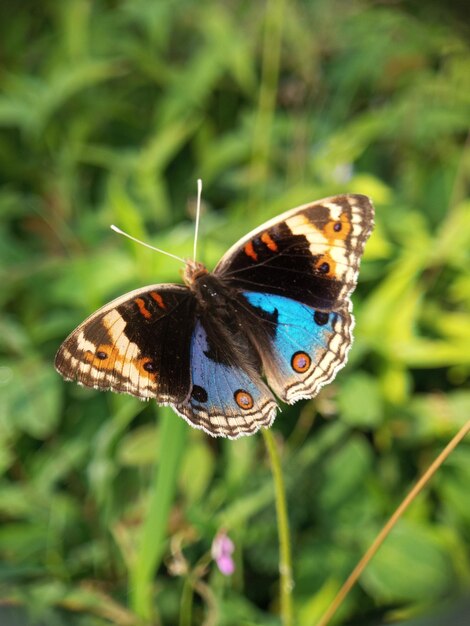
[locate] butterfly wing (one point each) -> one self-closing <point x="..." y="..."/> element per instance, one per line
<point x="310" y="254"/>
<point x="294" y="276"/>
<point x="137" y="344"/>
<point x="301" y="348"/>
<point x="286" y="310"/>
<point x="228" y="397"/>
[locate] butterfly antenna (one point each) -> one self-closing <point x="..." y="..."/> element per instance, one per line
<point x="121" y="232"/>
<point x="198" y="215"/>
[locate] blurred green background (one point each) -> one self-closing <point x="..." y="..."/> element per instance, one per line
<point x="109" y="112"/>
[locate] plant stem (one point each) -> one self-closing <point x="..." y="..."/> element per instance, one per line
<point x="285" y="558"/>
<point x="186" y="602"/>
<point x="383" y="534"/>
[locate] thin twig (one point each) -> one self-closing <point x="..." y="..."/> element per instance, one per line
<point x="360" y="567"/>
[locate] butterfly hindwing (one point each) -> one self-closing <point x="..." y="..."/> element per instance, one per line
<point x="137" y="344"/>
<point x="301" y="348"/>
<point x="225" y="399"/>
<point x="310" y="254"/>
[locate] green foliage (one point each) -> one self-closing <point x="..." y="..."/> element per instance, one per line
<point x="109" y="111"/>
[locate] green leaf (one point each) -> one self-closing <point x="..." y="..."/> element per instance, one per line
<point x="360" y="402"/>
<point x="411" y="565"/>
<point x="31" y="391"/>
<point x="197" y="470"/>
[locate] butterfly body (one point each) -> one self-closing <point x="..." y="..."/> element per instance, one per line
<point x="274" y="316"/>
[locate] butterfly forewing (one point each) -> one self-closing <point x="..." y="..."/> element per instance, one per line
<point x="310" y="254"/>
<point x="137" y="344"/>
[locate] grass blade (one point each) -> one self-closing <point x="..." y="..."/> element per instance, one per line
<point x="153" y="533"/>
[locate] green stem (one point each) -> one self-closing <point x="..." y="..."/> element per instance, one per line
<point x="153" y="534"/>
<point x="186" y="602"/>
<point x="272" y="39"/>
<point x="285" y="558"/>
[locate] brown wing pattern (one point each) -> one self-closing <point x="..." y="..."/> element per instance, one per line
<point x="138" y="344"/>
<point x="310" y="254"/>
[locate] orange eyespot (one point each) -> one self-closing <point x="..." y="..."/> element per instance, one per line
<point x="326" y="265"/>
<point x="338" y="228"/>
<point x="243" y="399"/>
<point x="300" y="362"/>
<point x="146" y="367"/>
<point x="103" y="358"/>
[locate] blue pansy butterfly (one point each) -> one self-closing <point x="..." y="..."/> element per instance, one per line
<point x="274" y="317"/>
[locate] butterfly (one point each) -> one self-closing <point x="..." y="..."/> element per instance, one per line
<point x="274" y="318"/>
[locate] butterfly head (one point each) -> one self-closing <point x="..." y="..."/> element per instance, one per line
<point x="193" y="271"/>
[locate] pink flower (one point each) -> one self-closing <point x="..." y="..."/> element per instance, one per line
<point x="222" y="550"/>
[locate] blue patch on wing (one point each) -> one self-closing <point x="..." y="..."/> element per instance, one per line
<point x="219" y="381"/>
<point x="306" y="347"/>
<point x="224" y="400"/>
<point x="296" y="326"/>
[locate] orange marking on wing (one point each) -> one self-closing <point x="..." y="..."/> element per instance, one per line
<point x="266" y="239"/>
<point x="144" y="311"/>
<point x="300" y="362"/>
<point x="140" y="365"/>
<point x="250" y="251"/>
<point x="105" y="357"/>
<point x="338" y="229"/>
<point x="158" y="299"/>
<point x="322" y="262"/>
<point x="244" y="399"/>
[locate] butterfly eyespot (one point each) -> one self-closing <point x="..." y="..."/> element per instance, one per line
<point x="337" y="227"/>
<point x="149" y="366"/>
<point x="324" y="268"/>
<point x="243" y="399"/>
<point x="101" y="355"/>
<point x="199" y="393"/>
<point x="321" y="318"/>
<point x="300" y="362"/>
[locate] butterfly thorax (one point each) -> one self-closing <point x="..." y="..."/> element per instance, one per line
<point x="209" y="290"/>
<point x="217" y="310"/>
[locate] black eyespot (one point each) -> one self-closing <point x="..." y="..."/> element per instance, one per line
<point x="149" y="366"/>
<point x="321" y="318"/>
<point x="324" y="268"/>
<point x="199" y="393"/>
<point x="101" y="355"/>
<point x="337" y="227"/>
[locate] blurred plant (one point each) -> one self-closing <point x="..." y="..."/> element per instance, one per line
<point x="108" y="113"/>
<point x="222" y="550"/>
